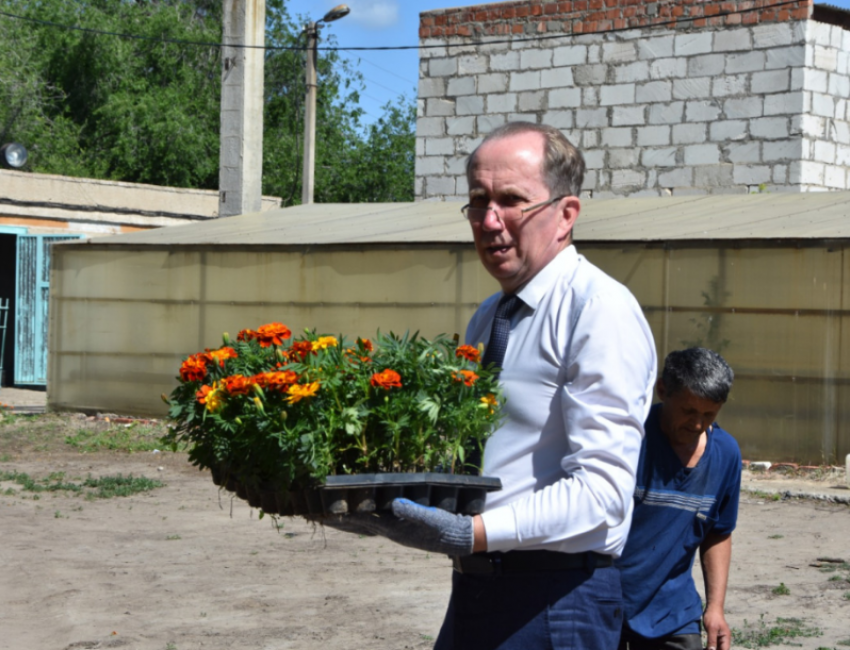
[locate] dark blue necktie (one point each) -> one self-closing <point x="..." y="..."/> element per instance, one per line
<point x="495" y="355"/>
<point x="501" y="329"/>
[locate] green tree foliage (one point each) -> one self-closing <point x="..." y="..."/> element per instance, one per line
<point x="147" y="111"/>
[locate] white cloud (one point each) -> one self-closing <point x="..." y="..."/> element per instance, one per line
<point x="374" y="14"/>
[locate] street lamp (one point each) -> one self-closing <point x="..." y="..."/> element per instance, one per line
<point x="13" y="155"/>
<point x="312" y="31"/>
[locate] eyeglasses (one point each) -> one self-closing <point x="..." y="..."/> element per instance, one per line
<point x="478" y="215"/>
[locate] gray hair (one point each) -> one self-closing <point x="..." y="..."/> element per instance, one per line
<point x="563" y="166"/>
<point x="703" y="372"/>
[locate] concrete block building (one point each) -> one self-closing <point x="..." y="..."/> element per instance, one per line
<point x="670" y="97"/>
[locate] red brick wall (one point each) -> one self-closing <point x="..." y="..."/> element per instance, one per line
<point x="590" y="16"/>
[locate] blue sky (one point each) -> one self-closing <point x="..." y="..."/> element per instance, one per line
<point x="377" y="23"/>
<point x="385" y="23"/>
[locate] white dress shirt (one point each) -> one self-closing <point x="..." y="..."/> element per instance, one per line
<point x="578" y="377"/>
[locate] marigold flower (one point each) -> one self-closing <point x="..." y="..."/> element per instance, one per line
<point x="272" y="334"/>
<point x="466" y="376"/>
<point x="302" y="348"/>
<point x="246" y="335"/>
<point x="297" y="392"/>
<point x="279" y="380"/>
<point x="237" y="385"/>
<point x="386" y="379"/>
<point x="366" y="344"/>
<point x="324" y="342"/>
<point x="211" y="397"/>
<point x="490" y="402"/>
<point x="218" y="356"/>
<point x="194" y="368"/>
<point x="468" y="352"/>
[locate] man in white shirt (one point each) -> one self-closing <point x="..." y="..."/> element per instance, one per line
<point x="535" y="570"/>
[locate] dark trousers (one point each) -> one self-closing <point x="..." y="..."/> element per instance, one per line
<point x="631" y="641"/>
<point x="575" y="609"/>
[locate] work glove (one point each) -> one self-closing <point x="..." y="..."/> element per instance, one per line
<point x="421" y="527"/>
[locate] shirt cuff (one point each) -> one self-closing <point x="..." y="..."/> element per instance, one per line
<point x="501" y="529"/>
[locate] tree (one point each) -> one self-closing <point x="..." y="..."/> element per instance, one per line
<point x="147" y="111"/>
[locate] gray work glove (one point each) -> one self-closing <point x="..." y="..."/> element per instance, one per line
<point x="423" y="527"/>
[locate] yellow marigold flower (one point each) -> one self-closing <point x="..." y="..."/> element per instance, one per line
<point x="489" y="401"/>
<point x="212" y="397"/>
<point x="297" y="392"/>
<point x="324" y="342"/>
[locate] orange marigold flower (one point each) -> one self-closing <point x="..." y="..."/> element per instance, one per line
<point x="297" y="392"/>
<point x="324" y="342"/>
<point x="194" y="368"/>
<point x="272" y="334"/>
<point x="221" y="354"/>
<point x="302" y="348"/>
<point x="468" y="352"/>
<point x="237" y="384"/>
<point x="279" y="380"/>
<point x="246" y="335"/>
<point x="386" y="379"/>
<point x="203" y="393"/>
<point x="366" y="344"/>
<point x="466" y="376"/>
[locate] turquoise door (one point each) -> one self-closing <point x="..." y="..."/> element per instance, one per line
<point x="33" y="278"/>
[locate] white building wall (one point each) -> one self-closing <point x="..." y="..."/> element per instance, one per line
<point x="655" y="112"/>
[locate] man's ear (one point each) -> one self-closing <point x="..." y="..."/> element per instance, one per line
<point x="570" y="207"/>
<point x="659" y="388"/>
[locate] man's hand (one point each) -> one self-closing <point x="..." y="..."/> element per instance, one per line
<point x="422" y="527"/>
<point x="716" y="628"/>
<point x="716" y="555"/>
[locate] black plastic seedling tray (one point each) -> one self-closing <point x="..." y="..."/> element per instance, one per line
<point x="374" y="492"/>
<point x="363" y="493"/>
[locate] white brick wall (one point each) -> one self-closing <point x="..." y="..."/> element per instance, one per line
<point x="713" y="110"/>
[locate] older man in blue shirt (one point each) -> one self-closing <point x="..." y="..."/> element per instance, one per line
<point x="686" y="500"/>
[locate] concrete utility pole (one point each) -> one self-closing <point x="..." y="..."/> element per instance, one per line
<point x="241" y="163"/>
<point x="311" y="29"/>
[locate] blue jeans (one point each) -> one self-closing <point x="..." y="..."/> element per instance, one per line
<point x="559" y="610"/>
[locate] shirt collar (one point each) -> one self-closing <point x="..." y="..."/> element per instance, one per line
<point x="564" y="263"/>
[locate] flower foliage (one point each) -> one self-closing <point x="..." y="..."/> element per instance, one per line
<point x="290" y="412"/>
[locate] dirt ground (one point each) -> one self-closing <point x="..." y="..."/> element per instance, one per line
<point x="184" y="567"/>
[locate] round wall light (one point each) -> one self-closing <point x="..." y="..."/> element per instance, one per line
<point x="13" y="155"/>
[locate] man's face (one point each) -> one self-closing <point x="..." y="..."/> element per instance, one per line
<point x="684" y="415"/>
<point x="507" y="175"/>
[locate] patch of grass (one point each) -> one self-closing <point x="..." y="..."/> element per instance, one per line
<point x="781" y="590"/>
<point x="775" y="536"/>
<point x="121" y="486"/>
<point x="130" y="437"/>
<point x="53" y="483"/>
<point x="767" y="496"/>
<point x="762" y="635"/>
<point x="836" y="578"/>
<point x="846" y="595"/>
<point x="105" y="487"/>
<point x="843" y="642"/>
<point x="60" y="432"/>
<point x="171" y="538"/>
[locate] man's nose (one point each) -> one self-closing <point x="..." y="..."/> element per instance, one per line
<point x="492" y="220"/>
